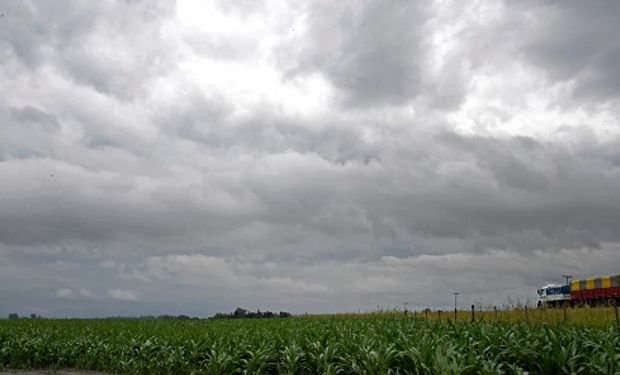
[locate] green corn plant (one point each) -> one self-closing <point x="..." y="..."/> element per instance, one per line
<point x="382" y="344"/>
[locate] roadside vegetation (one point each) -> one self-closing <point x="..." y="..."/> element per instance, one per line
<point x="583" y="316"/>
<point x="347" y="344"/>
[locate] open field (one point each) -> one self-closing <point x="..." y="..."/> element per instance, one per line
<point x="367" y="344"/>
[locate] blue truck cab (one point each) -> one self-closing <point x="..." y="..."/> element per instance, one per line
<point x="553" y="295"/>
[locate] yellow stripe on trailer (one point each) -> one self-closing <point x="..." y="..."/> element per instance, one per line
<point x="606" y="281"/>
<point x="574" y="286"/>
<point x="590" y="283"/>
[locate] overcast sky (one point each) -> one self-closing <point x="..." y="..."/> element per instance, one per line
<point x="322" y="156"/>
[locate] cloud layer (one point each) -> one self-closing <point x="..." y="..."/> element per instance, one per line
<point x="195" y="157"/>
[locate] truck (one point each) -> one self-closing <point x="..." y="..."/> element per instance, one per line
<point x="593" y="291"/>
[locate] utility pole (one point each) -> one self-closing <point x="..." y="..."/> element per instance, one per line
<point x="567" y="277"/>
<point x="455" y="309"/>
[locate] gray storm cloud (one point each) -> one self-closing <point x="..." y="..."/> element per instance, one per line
<point x="194" y="157"/>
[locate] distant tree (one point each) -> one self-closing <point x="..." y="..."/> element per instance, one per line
<point x="220" y="315"/>
<point x="240" y="313"/>
<point x="13" y="316"/>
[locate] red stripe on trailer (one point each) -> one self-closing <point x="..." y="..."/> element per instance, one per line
<point x="595" y="293"/>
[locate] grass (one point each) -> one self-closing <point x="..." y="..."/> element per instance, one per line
<point x="354" y="344"/>
<point x="591" y="317"/>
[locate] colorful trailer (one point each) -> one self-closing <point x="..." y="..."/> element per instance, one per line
<point x="595" y="290"/>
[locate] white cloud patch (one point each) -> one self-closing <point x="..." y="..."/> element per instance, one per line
<point x="123" y="294"/>
<point x="64" y="292"/>
<point x="80" y="293"/>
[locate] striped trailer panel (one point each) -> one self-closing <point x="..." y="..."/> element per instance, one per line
<point x="595" y="288"/>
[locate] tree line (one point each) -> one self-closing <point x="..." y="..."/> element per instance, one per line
<point x="241" y="313"/>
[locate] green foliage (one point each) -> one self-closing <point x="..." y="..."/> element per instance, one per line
<point x="311" y="345"/>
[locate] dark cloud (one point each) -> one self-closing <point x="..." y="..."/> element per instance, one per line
<point x="515" y="193"/>
<point x="27" y="132"/>
<point x="374" y="52"/>
<point x="570" y="42"/>
<point x="576" y="41"/>
<point x="112" y="48"/>
<point x="326" y="163"/>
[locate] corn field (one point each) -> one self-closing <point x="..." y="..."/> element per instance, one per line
<point x="372" y="344"/>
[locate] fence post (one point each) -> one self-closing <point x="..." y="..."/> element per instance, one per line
<point x="565" y="316"/>
<point x="438" y="314"/>
<point x="426" y="314"/>
<point x="495" y="309"/>
<point x="527" y="318"/>
<point x="473" y="313"/>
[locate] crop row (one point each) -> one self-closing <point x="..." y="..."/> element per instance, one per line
<point x="317" y="345"/>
